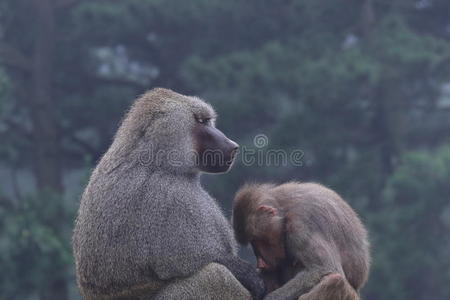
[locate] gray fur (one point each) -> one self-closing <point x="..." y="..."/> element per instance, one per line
<point x="144" y="222"/>
<point x="213" y="282"/>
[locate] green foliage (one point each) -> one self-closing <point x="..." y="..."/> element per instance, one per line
<point x="35" y="249"/>
<point x="308" y="74"/>
<point x="403" y="51"/>
<point x="410" y="233"/>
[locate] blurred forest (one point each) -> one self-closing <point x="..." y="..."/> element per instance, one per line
<point x="362" y="87"/>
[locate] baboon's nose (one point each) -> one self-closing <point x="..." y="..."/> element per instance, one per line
<point x="234" y="145"/>
<point x="233" y="148"/>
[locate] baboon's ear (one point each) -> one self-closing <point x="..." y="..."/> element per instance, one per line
<point x="271" y="211"/>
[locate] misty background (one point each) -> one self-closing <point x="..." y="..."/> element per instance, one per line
<point x="361" y="87"/>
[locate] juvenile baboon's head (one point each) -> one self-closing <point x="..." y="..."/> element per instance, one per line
<point x="175" y="132"/>
<point x="257" y="220"/>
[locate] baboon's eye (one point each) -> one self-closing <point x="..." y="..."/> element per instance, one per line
<point x="203" y="121"/>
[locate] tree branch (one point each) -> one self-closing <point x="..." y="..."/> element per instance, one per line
<point x="83" y="144"/>
<point x="120" y="81"/>
<point x="63" y="4"/>
<point x="17" y="128"/>
<point x="6" y="203"/>
<point x="13" y="57"/>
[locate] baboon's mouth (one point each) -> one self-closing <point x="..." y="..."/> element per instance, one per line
<point x="230" y="161"/>
<point x="233" y="154"/>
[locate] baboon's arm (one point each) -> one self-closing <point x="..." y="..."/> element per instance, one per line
<point x="316" y="256"/>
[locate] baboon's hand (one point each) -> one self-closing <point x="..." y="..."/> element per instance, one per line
<point x="255" y="285"/>
<point x="246" y="274"/>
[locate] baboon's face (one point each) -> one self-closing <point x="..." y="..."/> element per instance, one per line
<point x="269" y="252"/>
<point x="215" y="151"/>
<point x="268" y="241"/>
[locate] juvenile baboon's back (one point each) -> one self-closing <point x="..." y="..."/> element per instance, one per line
<point x="337" y="221"/>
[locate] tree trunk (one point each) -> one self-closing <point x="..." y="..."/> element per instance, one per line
<point x="45" y="130"/>
<point x="47" y="167"/>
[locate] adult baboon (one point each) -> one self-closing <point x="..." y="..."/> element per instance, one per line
<point x="303" y="234"/>
<point x="145" y="225"/>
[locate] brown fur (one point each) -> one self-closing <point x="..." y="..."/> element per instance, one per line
<point x="331" y="287"/>
<point x="321" y="235"/>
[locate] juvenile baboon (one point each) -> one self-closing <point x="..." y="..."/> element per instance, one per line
<point x="146" y="228"/>
<point x="300" y="233"/>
